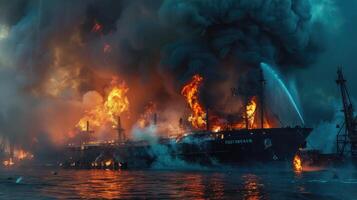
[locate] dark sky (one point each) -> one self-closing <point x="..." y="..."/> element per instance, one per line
<point x="318" y="90"/>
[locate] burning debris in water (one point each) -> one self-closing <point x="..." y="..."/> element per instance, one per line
<point x="14" y="155"/>
<point x="8" y="163"/>
<point x="297" y="164"/>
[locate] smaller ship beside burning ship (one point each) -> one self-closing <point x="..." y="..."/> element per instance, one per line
<point x="208" y="141"/>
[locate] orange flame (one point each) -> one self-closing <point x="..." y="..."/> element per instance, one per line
<point x="216" y="128"/>
<point x="250" y="109"/>
<point x="108" y="163"/>
<point x="17" y="156"/>
<point x="116" y="103"/>
<point x="8" y="163"/>
<point x="297" y="164"/>
<point x="22" y="155"/>
<point x="190" y="92"/>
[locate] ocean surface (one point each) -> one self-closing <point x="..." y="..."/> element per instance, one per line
<point x="251" y="183"/>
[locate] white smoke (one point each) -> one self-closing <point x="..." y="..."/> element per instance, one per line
<point x="164" y="157"/>
<point x="323" y="137"/>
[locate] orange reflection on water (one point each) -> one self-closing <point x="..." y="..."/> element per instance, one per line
<point x="216" y="182"/>
<point x="193" y="186"/>
<point x="89" y="184"/>
<point x="252" y="187"/>
<point x="110" y="184"/>
<point x="101" y="184"/>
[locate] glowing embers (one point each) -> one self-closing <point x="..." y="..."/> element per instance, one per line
<point x="97" y="27"/>
<point x="107" y="163"/>
<point x="297" y="164"/>
<point x="116" y="102"/>
<point x="216" y="128"/>
<point x="190" y="92"/>
<point x="110" y="164"/>
<point x="8" y="162"/>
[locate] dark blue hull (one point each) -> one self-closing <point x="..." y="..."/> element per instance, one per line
<point x="243" y="145"/>
<point x="204" y="147"/>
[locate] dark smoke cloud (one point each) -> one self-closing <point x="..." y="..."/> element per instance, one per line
<point x="153" y="42"/>
<point x="12" y="11"/>
<point x="319" y="92"/>
<point x="221" y="38"/>
<point x="105" y="13"/>
<point x="247" y="32"/>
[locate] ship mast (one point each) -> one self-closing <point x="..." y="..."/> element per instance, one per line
<point x="86" y="134"/>
<point x="121" y="131"/>
<point x="237" y="92"/>
<point x="246" y="94"/>
<point x="207" y="119"/>
<point x="246" y="112"/>
<point x="262" y="84"/>
<point x="350" y="132"/>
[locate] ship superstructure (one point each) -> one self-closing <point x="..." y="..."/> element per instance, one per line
<point x="227" y="144"/>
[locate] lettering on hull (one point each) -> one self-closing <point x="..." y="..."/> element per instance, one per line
<point x="242" y="141"/>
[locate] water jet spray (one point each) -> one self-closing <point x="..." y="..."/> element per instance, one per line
<point x="269" y="70"/>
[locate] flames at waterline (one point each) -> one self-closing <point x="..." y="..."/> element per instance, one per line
<point x="17" y="156"/>
<point x="115" y="104"/>
<point x="191" y="91"/>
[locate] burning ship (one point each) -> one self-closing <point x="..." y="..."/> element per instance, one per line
<point x="233" y="146"/>
<point x="233" y="143"/>
<point x="155" y="47"/>
<point x="207" y="141"/>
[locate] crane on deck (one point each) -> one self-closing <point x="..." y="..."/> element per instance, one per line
<point x="347" y="136"/>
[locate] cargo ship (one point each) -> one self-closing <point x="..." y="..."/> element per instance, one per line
<point x="204" y="147"/>
<point x="234" y="146"/>
<point x="228" y="145"/>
